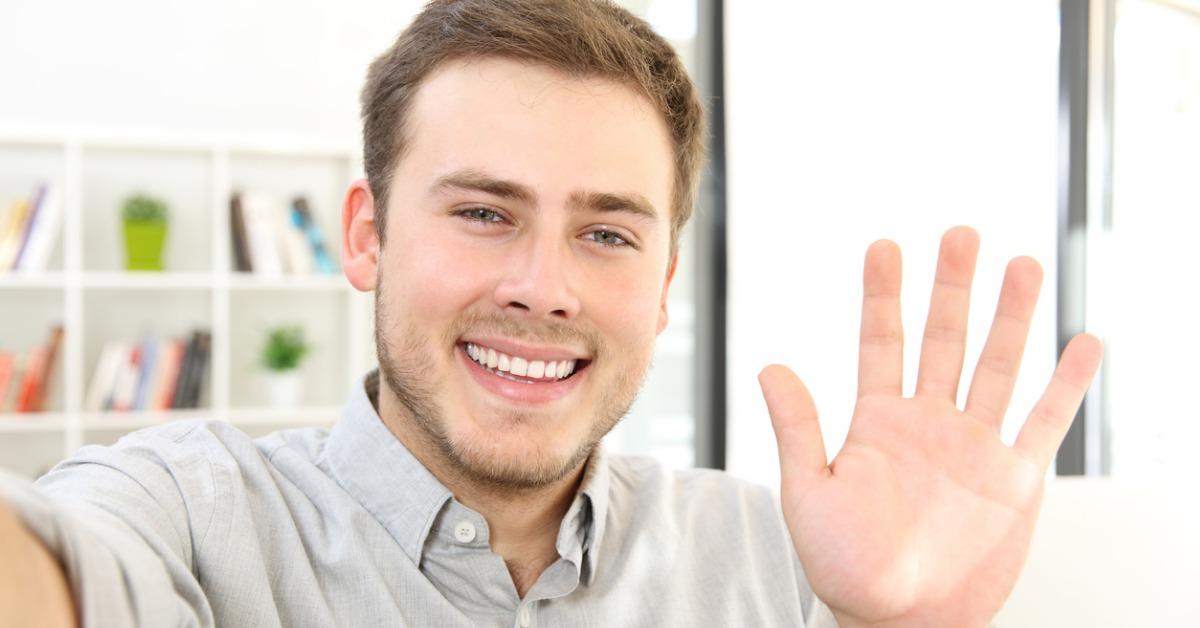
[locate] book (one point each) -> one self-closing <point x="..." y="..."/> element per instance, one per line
<point x="200" y="368"/>
<point x="125" y="387"/>
<point x="260" y="223"/>
<point x="170" y="359"/>
<point x="6" y="376"/>
<point x="46" y="377"/>
<point x="104" y="376"/>
<point x="237" y="225"/>
<point x="149" y="353"/>
<point x="44" y="233"/>
<point x="35" y="203"/>
<point x="297" y="252"/>
<point x="12" y="232"/>
<point x="31" y="381"/>
<point x="303" y="219"/>
<point x="186" y="373"/>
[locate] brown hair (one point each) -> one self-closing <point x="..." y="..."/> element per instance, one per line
<point x="582" y="38"/>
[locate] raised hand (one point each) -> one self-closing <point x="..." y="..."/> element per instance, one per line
<point x="924" y="517"/>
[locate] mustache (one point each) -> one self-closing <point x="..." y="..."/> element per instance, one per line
<point x="544" y="332"/>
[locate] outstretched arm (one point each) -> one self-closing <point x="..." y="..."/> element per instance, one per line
<point x="924" y="517"/>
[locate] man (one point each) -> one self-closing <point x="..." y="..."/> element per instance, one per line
<point x="529" y="166"/>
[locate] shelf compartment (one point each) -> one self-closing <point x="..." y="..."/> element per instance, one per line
<point x="23" y="166"/>
<point x="321" y="179"/>
<point x="180" y="178"/>
<point x="324" y="317"/>
<point x="133" y="315"/>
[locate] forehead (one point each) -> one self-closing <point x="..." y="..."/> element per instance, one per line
<point x="530" y="123"/>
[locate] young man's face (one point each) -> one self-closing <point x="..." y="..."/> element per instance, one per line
<point x="528" y="234"/>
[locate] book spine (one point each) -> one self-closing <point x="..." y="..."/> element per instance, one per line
<point x="179" y="399"/>
<point x="261" y="235"/>
<point x="31" y="381"/>
<point x="35" y="210"/>
<point x="237" y="224"/>
<point x="173" y="358"/>
<point x="126" y="388"/>
<point x="296" y="251"/>
<point x="6" y="376"/>
<point x="149" y="353"/>
<point x="101" y="387"/>
<point x="322" y="261"/>
<point x="203" y="348"/>
<point x="36" y="256"/>
<point x="10" y="235"/>
<point x="47" y="375"/>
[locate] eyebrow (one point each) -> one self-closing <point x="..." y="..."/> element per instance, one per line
<point x="603" y="202"/>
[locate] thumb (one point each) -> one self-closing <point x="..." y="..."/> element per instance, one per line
<point x="794" y="416"/>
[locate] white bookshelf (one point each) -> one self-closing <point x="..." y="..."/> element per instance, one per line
<point x="86" y="288"/>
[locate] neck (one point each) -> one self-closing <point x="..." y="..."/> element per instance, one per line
<point x="522" y="523"/>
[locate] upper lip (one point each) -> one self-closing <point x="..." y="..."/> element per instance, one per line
<point x="520" y="349"/>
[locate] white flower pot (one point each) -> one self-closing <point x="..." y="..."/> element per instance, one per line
<point x="284" y="388"/>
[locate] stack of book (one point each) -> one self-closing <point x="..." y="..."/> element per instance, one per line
<point x="28" y="230"/>
<point x="25" y="383"/>
<point x="154" y="374"/>
<point x="272" y="238"/>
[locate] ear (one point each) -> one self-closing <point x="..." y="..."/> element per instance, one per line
<point x="662" y="306"/>
<point x="360" y="243"/>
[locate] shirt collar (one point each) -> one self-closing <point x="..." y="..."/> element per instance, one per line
<point x="382" y="474"/>
<point x="367" y="460"/>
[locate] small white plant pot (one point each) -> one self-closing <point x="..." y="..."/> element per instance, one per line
<point x="284" y="388"/>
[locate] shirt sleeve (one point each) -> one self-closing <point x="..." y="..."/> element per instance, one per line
<point x="125" y="523"/>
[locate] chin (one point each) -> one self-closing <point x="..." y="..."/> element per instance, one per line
<point x="514" y="453"/>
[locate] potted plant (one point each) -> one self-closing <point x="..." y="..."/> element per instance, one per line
<point x="281" y="355"/>
<point x="144" y="221"/>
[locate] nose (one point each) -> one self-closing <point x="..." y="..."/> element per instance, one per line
<point x="538" y="283"/>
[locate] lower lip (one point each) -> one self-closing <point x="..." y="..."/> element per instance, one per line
<point x="520" y="392"/>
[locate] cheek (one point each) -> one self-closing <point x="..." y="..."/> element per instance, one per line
<point x="625" y="304"/>
<point x="431" y="275"/>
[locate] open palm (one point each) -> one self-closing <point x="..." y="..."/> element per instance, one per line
<point x="924" y="517"/>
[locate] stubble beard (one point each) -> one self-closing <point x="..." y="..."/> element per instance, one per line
<point x="403" y="352"/>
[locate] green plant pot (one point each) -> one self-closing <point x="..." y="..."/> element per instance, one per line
<point x="144" y="242"/>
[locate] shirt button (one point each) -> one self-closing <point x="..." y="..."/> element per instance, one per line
<point x="464" y="532"/>
<point x="523" y="617"/>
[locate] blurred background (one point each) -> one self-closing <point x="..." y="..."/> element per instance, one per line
<point x="171" y="175"/>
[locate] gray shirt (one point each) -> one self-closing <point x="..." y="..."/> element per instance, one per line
<point x="193" y="523"/>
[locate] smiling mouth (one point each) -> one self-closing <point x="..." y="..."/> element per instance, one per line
<point x="520" y="369"/>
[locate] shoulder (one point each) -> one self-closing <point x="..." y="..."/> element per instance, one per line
<point x="195" y="456"/>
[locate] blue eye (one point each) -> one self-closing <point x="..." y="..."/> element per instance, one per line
<point x="604" y="237"/>
<point x="481" y="214"/>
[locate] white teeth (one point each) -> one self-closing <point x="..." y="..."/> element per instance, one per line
<point x="534" y="369"/>
<point x="518" y="366"/>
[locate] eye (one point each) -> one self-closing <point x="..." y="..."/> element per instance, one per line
<point x="607" y="237"/>
<point x="480" y="214"/>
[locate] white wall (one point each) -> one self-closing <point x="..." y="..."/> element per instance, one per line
<point x="849" y="122"/>
<point x="264" y="71"/>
